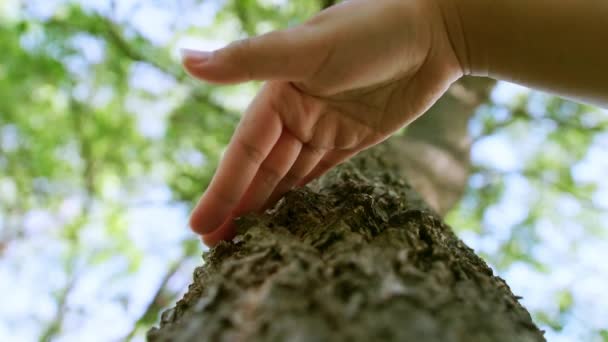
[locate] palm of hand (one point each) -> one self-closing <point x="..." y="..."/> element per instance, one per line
<point x="293" y="132"/>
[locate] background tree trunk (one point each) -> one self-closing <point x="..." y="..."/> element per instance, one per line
<point x="358" y="256"/>
<point x="434" y="152"/>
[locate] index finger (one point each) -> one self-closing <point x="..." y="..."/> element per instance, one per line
<point x="254" y="138"/>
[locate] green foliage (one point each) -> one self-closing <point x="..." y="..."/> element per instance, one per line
<point x="604" y="335"/>
<point x="76" y="145"/>
<point x="528" y="206"/>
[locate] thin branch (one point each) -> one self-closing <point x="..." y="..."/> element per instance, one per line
<point x="85" y="151"/>
<point x="160" y="298"/>
<point x="88" y="176"/>
<point x="115" y="37"/>
<point x="56" y="324"/>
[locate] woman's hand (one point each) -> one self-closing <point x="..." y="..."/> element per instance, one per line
<point x="340" y="83"/>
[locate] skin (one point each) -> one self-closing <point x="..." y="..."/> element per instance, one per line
<point x="357" y="72"/>
<point x="559" y="46"/>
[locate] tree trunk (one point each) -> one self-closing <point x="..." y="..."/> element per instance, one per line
<point x="358" y="256"/>
<point x="434" y="154"/>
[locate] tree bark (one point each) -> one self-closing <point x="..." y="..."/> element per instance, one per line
<point x="358" y="256"/>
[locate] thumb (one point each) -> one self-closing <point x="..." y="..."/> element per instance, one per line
<point x="280" y="55"/>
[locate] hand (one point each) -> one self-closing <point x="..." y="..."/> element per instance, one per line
<point x="340" y="83"/>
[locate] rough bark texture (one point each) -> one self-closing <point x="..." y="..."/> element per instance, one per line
<point x="356" y="257"/>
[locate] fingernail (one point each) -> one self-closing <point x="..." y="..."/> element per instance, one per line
<point x="195" y="55"/>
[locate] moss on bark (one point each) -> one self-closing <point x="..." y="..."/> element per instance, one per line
<point x="356" y="257"/>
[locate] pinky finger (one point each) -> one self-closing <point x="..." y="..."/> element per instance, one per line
<point x="225" y="232"/>
<point x="307" y="160"/>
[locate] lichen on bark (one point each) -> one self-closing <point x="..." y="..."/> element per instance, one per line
<point x="356" y="257"/>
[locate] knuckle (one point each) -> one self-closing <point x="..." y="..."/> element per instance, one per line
<point x="237" y="48"/>
<point x="253" y="153"/>
<point x="315" y="152"/>
<point x="291" y="178"/>
<point x="225" y="198"/>
<point x="324" y="164"/>
<point x="238" y="54"/>
<point x="269" y="176"/>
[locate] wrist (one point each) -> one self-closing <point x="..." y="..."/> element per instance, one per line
<point x="442" y="55"/>
<point x="468" y="36"/>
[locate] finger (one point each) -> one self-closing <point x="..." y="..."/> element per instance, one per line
<point x="272" y="170"/>
<point x="329" y="161"/>
<point x="270" y="173"/>
<point x="309" y="157"/>
<point x="278" y="55"/>
<point x="280" y="159"/>
<point x="251" y="143"/>
<point x="226" y="232"/>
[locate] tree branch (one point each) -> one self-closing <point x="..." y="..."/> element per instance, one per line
<point x="159" y="301"/>
<point x="54" y="328"/>
<point x="436" y="147"/>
